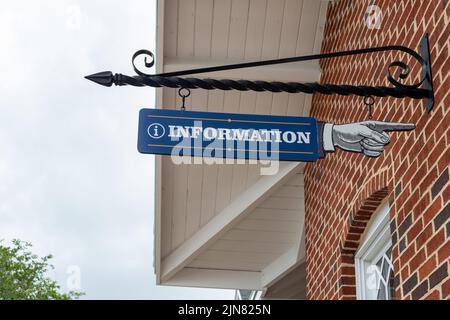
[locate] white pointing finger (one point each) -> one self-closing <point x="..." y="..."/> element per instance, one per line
<point x="390" y="126"/>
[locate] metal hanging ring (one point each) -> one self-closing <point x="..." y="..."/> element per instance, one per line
<point x="369" y="100"/>
<point x="180" y="92"/>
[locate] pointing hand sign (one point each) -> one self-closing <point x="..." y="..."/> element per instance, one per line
<point x="367" y="137"/>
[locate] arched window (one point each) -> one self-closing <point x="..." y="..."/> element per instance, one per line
<point x="373" y="259"/>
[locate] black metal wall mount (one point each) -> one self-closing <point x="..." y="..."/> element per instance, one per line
<point x="420" y="90"/>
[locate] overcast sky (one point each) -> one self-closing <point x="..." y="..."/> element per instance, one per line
<point x="71" y="180"/>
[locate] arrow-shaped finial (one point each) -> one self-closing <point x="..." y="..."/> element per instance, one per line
<point x="104" y="78"/>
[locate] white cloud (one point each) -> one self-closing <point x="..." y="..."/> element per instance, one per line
<point x="71" y="179"/>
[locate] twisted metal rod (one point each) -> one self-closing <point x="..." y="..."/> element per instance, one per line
<point x="275" y="86"/>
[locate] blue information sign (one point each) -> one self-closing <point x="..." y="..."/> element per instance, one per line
<point x="227" y="135"/>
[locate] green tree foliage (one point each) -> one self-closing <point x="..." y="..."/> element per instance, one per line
<point x="23" y="275"/>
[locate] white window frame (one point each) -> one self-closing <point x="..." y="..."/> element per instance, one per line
<point x="374" y="243"/>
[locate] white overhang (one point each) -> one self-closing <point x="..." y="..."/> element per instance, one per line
<point x="227" y="226"/>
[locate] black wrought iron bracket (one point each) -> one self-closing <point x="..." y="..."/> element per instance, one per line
<point x="420" y="90"/>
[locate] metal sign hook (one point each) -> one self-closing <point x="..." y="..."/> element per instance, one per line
<point x="369" y="101"/>
<point x="184" y="96"/>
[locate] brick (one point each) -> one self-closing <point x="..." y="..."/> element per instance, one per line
<point x="437" y="276"/>
<point x="419" y="175"/>
<point x="407" y="254"/>
<point x="404" y="195"/>
<point x="424" y="236"/>
<point x="348" y="290"/>
<point x="412" y="201"/>
<point x="409" y="173"/>
<point x="427" y="267"/>
<point x="420" y="291"/>
<point x="394" y="237"/>
<point x="402" y="244"/>
<point x="350" y="245"/>
<point x="439" y="56"/>
<point x="398" y="294"/>
<point x="423" y="154"/>
<point x="442" y="217"/>
<point x="446" y="192"/>
<point x="435" y="242"/>
<point x="404" y="272"/>
<point x="405" y="225"/>
<point x="434" y="295"/>
<point x="447" y="227"/>
<point x="393" y="224"/>
<point x="414" y="231"/>
<point x="398" y="189"/>
<point x="447" y="9"/>
<point x="420" y="207"/>
<point x="347" y="259"/>
<point x="432" y="211"/>
<point x="439" y="184"/>
<point x="353" y="236"/>
<point x="429" y="179"/>
<point x="348" y="271"/>
<point x="446" y="289"/>
<point x="410" y="284"/>
<point x="348" y="281"/>
<point x="431" y="126"/>
<point x="444" y="252"/>
<point x="434" y="155"/>
<point x="417" y="260"/>
<point x="396" y="281"/>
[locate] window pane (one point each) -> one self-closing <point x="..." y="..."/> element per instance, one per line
<point x="385" y="269"/>
<point x="381" y="292"/>
<point x="387" y="274"/>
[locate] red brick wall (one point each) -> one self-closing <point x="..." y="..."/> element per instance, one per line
<point x="343" y="189"/>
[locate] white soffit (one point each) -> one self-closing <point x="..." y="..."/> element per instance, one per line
<point x="226" y="226"/>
